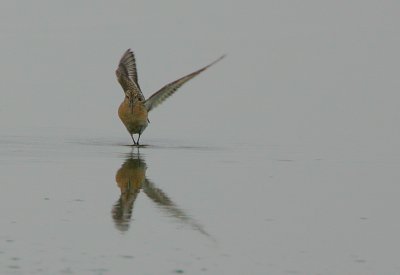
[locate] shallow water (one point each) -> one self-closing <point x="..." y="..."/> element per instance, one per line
<point x="85" y="206"/>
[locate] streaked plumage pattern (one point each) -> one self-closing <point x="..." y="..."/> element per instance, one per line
<point x="133" y="111"/>
<point x="158" y="97"/>
<point x="127" y="74"/>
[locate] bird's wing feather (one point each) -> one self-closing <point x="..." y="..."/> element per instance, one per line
<point x="127" y="64"/>
<point x="127" y="73"/>
<point x="160" y="96"/>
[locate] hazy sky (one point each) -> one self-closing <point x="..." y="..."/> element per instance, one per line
<point x="310" y="72"/>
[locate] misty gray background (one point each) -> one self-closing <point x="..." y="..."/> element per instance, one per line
<point x="299" y="128"/>
<point x="316" y="72"/>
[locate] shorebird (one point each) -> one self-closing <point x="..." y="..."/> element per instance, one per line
<point x="134" y="110"/>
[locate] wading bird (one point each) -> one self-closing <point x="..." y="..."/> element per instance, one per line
<point x="134" y="110"/>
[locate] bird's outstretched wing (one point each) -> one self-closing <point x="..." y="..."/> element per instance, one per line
<point x="158" y="97"/>
<point x="127" y="73"/>
<point x="127" y="66"/>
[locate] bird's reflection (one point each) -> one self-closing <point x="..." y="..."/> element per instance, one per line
<point x="131" y="179"/>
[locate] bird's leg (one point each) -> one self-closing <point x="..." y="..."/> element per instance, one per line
<point x="138" y="138"/>
<point x="134" y="142"/>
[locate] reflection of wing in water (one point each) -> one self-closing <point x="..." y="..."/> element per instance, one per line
<point x="159" y="197"/>
<point x="129" y="178"/>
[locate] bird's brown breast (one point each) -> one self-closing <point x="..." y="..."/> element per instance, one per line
<point x="133" y="117"/>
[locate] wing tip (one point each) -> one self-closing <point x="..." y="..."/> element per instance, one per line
<point x="127" y="54"/>
<point x="221" y="57"/>
<point x="216" y="61"/>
